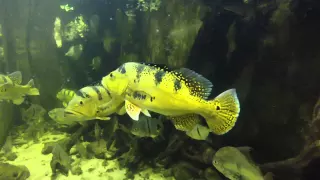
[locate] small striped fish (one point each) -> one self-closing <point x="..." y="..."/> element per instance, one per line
<point x="86" y="101"/>
<point x="65" y="96"/>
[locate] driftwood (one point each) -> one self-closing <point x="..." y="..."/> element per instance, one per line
<point x="296" y="164"/>
<point x="311" y="151"/>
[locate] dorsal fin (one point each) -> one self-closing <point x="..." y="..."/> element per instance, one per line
<point x="199" y="86"/>
<point x="16" y="77"/>
<point x="161" y="66"/>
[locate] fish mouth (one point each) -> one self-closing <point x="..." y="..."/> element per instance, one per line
<point x="74" y="113"/>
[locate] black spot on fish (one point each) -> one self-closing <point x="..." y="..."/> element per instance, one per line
<point x="177" y="85"/>
<point x="122" y="69"/>
<point x="81" y="94"/>
<point x="4" y="79"/>
<point x="218" y="108"/>
<point x="152" y="98"/>
<point x="137" y="95"/>
<point x="140" y="68"/>
<point x="98" y="92"/>
<point x="158" y="77"/>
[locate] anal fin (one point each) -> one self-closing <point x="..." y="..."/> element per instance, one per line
<point x="132" y="110"/>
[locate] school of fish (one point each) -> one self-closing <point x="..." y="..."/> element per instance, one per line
<point x="139" y="90"/>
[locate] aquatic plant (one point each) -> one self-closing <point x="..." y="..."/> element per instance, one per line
<point x="75" y="29"/>
<point x="124" y="26"/>
<point x="108" y="40"/>
<point x="148" y="5"/>
<point x="130" y="57"/>
<point x="57" y="32"/>
<point x="281" y="14"/>
<point x="66" y="7"/>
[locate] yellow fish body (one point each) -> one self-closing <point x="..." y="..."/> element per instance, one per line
<point x="65" y="96"/>
<point x="84" y="105"/>
<point x="172" y="93"/>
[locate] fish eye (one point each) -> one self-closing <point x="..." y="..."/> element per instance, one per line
<point x="81" y="102"/>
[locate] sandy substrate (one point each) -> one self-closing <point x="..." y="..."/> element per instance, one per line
<point x="39" y="165"/>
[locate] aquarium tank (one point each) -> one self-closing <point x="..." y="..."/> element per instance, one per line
<point x="159" y="89"/>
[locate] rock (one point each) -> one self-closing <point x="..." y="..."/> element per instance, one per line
<point x="11" y="156"/>
<point x="12" y="172"/>
<point x="98" y="148"/>
<point x="60" y="160"/>
<point x="76" y="170"/>
<point x="211" y="174"/>
<point x="48" y="147"/>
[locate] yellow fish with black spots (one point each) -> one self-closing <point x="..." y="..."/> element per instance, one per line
<point x="65" y="96"/>
<point x="172" y="93"/>
<point x="84" y="104"/>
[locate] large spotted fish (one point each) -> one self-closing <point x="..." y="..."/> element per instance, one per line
<point x="171" y="93"/>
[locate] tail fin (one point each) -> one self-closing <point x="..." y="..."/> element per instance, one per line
<point x="226" y="109"/>
<point x="32" y="91"/>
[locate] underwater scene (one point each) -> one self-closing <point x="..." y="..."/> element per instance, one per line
<point x="159" y="89"/>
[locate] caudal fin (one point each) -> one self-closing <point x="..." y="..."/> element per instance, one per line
<point x="32" y="91"/>
<point x="226" y="109"/>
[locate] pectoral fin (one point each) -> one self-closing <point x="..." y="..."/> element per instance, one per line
<point x="146" y="112"/>
<point x="122" y="110"/>
<point x="64" y="104"/>
<point x="132" y="110"/>
<point x="105" y="106"/>
<point x="18" y="101"/>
